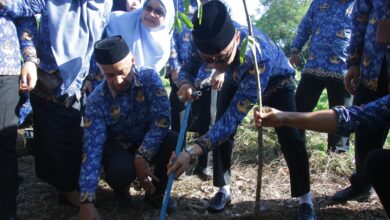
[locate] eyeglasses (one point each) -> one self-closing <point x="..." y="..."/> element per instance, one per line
<point x="157" y="11"/>
<point x="219" y="59"/>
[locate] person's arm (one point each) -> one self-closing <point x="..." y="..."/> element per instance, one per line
<point x="173" y="61"/>
<point x="27" y="32"/>
<point x="339" y="120"/>
<point x="160" y="121"/>
<point x="95" y="132"/>
<point x="321" y="121"/>
<point x="22" y="8"/>
<point x="303" y="34"/>
<point x="360" y="18"/>
<point x="304" y="29"/>
<point x="160" y="114"/>
<point x="242" y="102"/>
<point x="188" y="71"/>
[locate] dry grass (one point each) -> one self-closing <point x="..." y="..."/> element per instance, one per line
<point x="329" y="173"/>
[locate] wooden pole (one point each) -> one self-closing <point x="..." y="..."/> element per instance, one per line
<point x="260" y="144"/>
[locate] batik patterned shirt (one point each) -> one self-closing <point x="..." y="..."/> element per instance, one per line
<point x="37" y="41"/>
<point x="10" y="58"/>
<point x="276" y="73"/>
<point x="363" y="51"/>
<point x="327" y="24"/>
<point x="373" y="115"/>
<point x="139" y="116"/>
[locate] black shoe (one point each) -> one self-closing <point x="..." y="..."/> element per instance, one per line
<point x="124" y="200"/>
<point x="219" y="202"/>
<point x="306" y="212"/>
<point x="157" y="200"/>
<point x="351" y="193"/>
<point x="204" y="175"/>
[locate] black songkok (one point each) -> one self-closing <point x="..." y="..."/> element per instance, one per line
<point x="111" y="50"/>
<point x="216" y="30"/>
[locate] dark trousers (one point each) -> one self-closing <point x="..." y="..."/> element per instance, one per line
<point x="291" y="142"/>
<point x="377" y="167"/>
<point x="9" y="97"/>
<point x="57" y="143"/>
<point x="365" y="142"/>
<point x="200" y="117"/>
<point x="119" y="167"/>
<point x="308" y="93"/>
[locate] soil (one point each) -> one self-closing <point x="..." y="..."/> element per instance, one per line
<point x="38" y="200"/>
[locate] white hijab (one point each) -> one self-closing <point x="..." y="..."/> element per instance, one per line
<point x="151" y="47"/>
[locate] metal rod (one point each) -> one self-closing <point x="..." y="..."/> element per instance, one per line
<point x="178" y="149"/>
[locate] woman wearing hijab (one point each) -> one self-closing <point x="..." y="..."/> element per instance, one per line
<point x="147" y="31"/>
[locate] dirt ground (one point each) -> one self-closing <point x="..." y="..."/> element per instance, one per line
<point x="38" y="200"/>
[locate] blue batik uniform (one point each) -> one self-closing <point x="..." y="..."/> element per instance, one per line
<point x="64" y="64"/>
<point x="238" y="95"/>
<point x="40" y="38"/>
<point x="373" y="63"/>
<point x="326" y="28"/>
<point x="138" y="117"/>
<point x="363" y="51"/>
<point x="276" y="73"/>
<point x="362" y="118"/>
<point x="327" y="24"/>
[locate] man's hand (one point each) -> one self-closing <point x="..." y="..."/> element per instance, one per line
<point x="181" y="163"/>
<point x="185" y="92"/>
<point x="351" y="79"/>
<point x="144" y="175"/>
<point x="217" y="80"/>
<point x="88" y="212"/>
<point x="294" y="59"/>
<point x="28" y="77"/>
<point x="268" y="117"/>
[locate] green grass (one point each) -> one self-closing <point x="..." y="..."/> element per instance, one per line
<point x="320" y="160"/>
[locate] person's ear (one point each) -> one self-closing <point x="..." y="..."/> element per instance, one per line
<point x="238" y="37"/>
<point x="132" y="60"/>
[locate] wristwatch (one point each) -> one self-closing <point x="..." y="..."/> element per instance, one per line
<point x="191" y="152"/>
<point x="35" y="60"/>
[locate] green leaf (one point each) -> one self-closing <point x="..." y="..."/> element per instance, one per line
<point x="253" y="43"/>
<point x="200" y="10"/>
<point x="178" y="24"/>
<point x="243" y="49"/>
<point x="186" y="5"/>
<point x="187" y="21"/>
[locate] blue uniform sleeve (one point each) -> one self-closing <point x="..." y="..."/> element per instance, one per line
<point x="363" y="118"/>
<point x="304" y="30"/>
<point x="173" y="60"/>
<point x="161" y="116"/>
<point x="95" y="132"/>
<point x="27" y="31"/>
<point x="23" y="8"/>
<point x="190" y="69"/>
<point x="360" y="17"/>
<point x="242" y="102"/>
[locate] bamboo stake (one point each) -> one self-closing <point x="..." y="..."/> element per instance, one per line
<point x="260" y="144"/>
